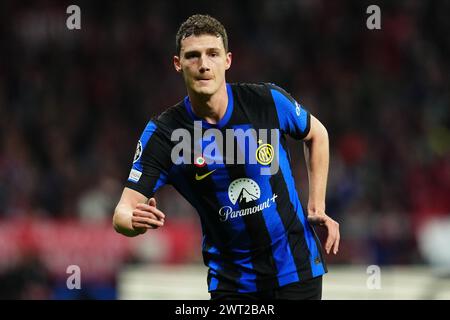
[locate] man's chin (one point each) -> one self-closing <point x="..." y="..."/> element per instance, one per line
<point x="205" y="91"/>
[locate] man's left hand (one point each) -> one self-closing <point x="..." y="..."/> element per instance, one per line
<point x="333" y="237"/>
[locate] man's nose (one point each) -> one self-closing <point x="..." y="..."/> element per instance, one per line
<point x="203" y="63"/>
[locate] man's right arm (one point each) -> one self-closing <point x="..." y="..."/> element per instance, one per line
<point x="133" y="216"/>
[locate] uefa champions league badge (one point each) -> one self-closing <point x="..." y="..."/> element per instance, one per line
<point x="138" y="153"/>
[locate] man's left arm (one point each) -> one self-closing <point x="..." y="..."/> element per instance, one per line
<point x="316" y="147"/>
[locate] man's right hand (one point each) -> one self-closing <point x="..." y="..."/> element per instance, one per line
<point x="147" y="216"/>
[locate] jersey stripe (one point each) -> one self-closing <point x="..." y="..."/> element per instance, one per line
<point x="317" y="268"/>
<point x="245" y="267"/>
<point x="162" y="180"/>
<point x="261" y="259"/>
<point x="295" y="233"/>
<point x="284" y="261"/>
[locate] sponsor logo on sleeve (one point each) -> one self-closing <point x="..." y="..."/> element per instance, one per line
<point x="297" y="109"/>
<point x="135" y="175"/>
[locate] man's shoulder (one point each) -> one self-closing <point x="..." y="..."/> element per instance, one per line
<point x="252" y="88"/>
<point x="170" y="117"/>
<point x="173" y="112"/>
<point x="262" y="89"/>
<point x="255" y="86"/>
<point x="257" y="103"/>
<point x="163" y="124"/>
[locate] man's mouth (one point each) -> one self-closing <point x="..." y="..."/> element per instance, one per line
<point x="203" y="78"/>
<point x="203" y="81"/>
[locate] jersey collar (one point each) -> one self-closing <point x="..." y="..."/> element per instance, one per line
<point x="222" y="122"/>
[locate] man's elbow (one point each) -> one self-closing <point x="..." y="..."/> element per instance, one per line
<point x="115" y="221"/>
<point x="118" y="222"/>
<point x="122" y="223"/>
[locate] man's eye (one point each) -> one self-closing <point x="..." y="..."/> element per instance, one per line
<point x="213" y="54"/>
<point x="191" y="56"/>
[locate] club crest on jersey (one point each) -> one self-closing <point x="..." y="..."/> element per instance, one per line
<point x="264" y="154"/>
<point x="138" y="153"/>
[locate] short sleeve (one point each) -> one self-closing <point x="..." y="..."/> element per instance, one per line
<point x="293" y="118"/>
<point x="151" y="162"/>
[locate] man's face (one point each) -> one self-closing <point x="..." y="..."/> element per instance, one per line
<point x="203" y="62"/>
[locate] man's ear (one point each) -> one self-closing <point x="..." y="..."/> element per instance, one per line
<point x="228" y="60"/>
<point x="177" y="64"/>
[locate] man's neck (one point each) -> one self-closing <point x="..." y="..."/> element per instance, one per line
<point x="210" y="108"/>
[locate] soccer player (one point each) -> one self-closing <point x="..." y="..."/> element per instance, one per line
<point x="258" y="242"/>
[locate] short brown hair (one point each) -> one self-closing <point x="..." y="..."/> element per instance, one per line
<point x="199" y="24"/>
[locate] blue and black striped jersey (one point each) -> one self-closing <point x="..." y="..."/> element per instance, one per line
<point x="255" y="232"/>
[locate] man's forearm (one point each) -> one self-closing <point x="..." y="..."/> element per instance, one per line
<point x="317" y="162"/>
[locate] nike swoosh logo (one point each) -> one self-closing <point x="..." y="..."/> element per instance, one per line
<point x="203" y="176"/>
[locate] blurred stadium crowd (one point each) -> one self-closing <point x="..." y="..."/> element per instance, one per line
<point x="73" y="104"/>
